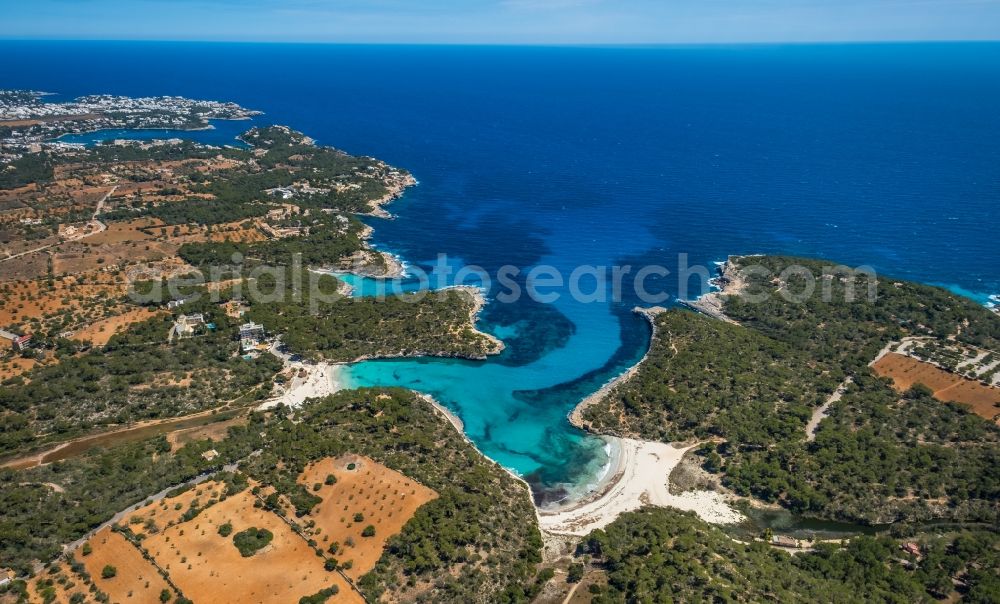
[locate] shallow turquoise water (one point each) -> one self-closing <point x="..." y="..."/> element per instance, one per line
<point x="516" y="414"/>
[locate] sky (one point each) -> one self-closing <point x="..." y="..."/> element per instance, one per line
<point x="503" y="21"/>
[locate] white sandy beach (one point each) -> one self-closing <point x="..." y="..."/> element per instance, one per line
<point x="638" y="476"/>
<point x="310" y="380"/>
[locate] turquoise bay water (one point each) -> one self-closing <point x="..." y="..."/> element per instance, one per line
<point x="525" y="433"/>
<point x="884" y="155"/>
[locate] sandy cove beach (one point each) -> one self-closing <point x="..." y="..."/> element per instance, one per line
<point x="309" y="380"/>
<point x="638" y="476"/>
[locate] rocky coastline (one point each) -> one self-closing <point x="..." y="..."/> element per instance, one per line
<point x="730" y="283"/>
<point x="576" y="415"/>
<point x="495" y="345"/>
<point x="396" y="186"/>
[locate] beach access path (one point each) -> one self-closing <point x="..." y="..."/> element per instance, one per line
<point x="820" y="413"/>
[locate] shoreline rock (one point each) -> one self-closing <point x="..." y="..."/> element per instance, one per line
<point x="373" y="264"/>
<point x="478" y="302"/>
<point x="453" y="419"/>
<point x="391" y="266"/>
<point x="459" y="426"/>
<point x="396" y="188"/>
<point x="576" y="415"/>
<point x="730" y="282"/>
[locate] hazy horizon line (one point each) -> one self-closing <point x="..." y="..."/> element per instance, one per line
<point x="637" y="45"/>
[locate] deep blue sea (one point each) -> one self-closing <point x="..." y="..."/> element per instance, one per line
<point x="886" y="155"/>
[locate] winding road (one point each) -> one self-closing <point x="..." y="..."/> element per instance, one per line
<point x="97" y="227"/>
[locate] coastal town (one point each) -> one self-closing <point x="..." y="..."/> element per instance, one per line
<point x="29" y="121"/>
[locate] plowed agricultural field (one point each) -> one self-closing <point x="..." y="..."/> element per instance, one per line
<point x="136" y="579"/>
<point x="906" y="371"/>
<point x="385" y="499"/>
<point x="207" y="567"/>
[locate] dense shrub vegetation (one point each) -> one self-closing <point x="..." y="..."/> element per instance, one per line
<point x="478" y="540"/>
<point x="26" y="170"/>
<point x="36" y="519"/>
<point x="344" y="329"/>
<point x="879" y="456"/>
<point x="252" y="540"/>
<point x="654" y="554"/>
<point x="833" y="328"/>
<point x="705" y="378"/>
<point x="138" y="375"/>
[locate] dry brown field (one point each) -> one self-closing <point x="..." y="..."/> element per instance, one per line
<point x="89" y="195"/>
<point x="65" y="584"/>
<point x="33" y="299"/>
<point x="99" y="332"/>
<point x="30" y="266"/>
<point x="14" y="366"/>
<point x="140" y="229"/>
<point x="906" y="371"/>
<point x="166" y="379"/>
<point x="19" y="123"/>
<point x="386" y="499"/>
<point x="169" y="510"/>
<point x="128" y="189"/>
<point x="214" y="432"/>
<point x="236" y="232"/>
<point x="208" y="567"/>
<point x="12" y="211"/>
<point x="17" y="195"/>
<point x="81" y="256"/>
<point x="137" y="579"/>
<point x="94" y="303"/>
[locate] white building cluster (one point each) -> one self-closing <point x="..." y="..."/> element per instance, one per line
<point x="32" y="119"/>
